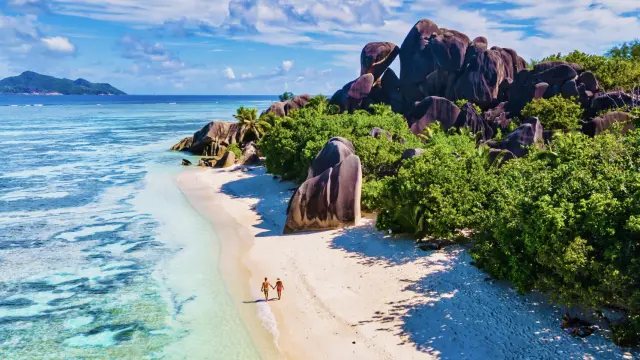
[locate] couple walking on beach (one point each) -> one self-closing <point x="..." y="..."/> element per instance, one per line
<point x="266" y="285"/>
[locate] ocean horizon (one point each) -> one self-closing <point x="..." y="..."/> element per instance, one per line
<point x="34" y="100"/>
<point x="94" y="233"/>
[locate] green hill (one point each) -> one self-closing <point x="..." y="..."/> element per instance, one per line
<point x="30" y="82"/>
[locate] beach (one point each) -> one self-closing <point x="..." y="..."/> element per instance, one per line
<point x="361" y="294"/>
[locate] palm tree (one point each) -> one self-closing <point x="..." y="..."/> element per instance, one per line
<point x="286" y="96"/>
<point x="250" y="123"/>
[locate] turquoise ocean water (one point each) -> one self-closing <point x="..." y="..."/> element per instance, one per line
<point x="95" y="237"/>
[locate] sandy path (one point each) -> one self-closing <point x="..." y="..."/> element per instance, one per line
<point x="356" y="294"/>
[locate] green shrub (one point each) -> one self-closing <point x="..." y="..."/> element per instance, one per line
<point x="372" y="193"/>
<point x="235" y="149"/>
<point x="566" y="221"/>
<point x="556" y="113"/>
<point x="436" y="193"/>
<point x="630" y="51"/>
<point x="294" y="141"/>
<point x="627" y="333"/>
<point x="286" y="96"/>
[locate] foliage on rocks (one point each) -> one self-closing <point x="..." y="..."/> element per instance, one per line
<point x="235" y="149"/>
<point x="436" y="193"/>
<point x="566" y="221"/>
<point x="295" y="140"/>
<point x="286" y="96"/>
<point x="613" y="72"/>
<point x="461" y="102"/>
<point x="556" y="113"/>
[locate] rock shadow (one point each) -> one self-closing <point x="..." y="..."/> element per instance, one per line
<point x="459" y="313"/>
<point x="373" y="247"/>
<point x="261" y="186"/>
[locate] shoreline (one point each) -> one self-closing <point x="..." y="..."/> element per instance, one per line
<point x="234" y="241"/>
<point x="358" y="293"/>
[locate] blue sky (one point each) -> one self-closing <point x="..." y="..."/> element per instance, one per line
<point x="272" y="46"/>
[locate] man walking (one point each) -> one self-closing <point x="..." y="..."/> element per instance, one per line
<point x="265" y="289"/>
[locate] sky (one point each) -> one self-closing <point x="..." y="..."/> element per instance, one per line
<point x="273" y="46"/>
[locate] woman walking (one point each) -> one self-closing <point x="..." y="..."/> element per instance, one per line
<point x="279" y="288"/>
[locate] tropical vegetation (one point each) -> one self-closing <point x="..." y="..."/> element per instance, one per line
<point x="555" y="113"/>
<point x="286" y="96"/>
<point x="563" y="220"/>
<point x="252" y="127"/>
<point x="618" y="69"/>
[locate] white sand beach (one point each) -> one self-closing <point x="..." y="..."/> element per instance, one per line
<point x="356" y="293"/>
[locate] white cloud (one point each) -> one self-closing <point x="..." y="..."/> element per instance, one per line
<point x="59" y="44"/>
<point x="287" y="65"/>
<point x="153" y="56"/>
<point x="228" y="73"/>
<point x="532" y="27"/>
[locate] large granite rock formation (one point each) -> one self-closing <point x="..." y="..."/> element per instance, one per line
<point x="439" y="62"/>
<point x="334" y="151"/>
<point x="430" y="110"/>
<point x="416" y="59"/>
<point x="283" y="108"/>
<point x="610" y="100"/>
<point x="250" y="154"/>
<point x="469" y="118"/>
<point x="227" y="160"/>
<point x="529" y="133"/>
<point x="183" y="145"/>
<point x="211" y="140"/>
<point x="603" y="122"/>
<point x="376" y="57"/>
<point x="353" y="95"/>
<point x="215" y="137"/>
<point x="330" y="199"/>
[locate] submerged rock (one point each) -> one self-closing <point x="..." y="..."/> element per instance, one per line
<point x="186" y="162"/>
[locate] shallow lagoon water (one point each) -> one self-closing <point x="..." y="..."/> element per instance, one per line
<point x="100" y="255"/>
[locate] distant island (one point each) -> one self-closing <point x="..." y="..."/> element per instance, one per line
<point x="33" y="83"/>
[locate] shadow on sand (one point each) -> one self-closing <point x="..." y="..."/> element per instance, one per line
<point x="273" y="216"/>
<point x="453" y="312"/>
<point x="259" y="301"/>
<point x="457" y="312"/>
